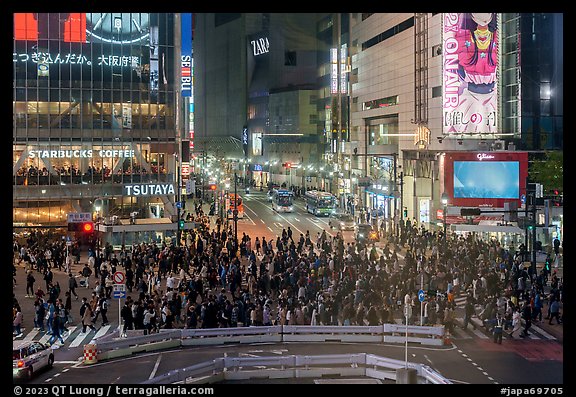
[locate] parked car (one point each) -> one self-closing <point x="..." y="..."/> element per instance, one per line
<point x="28" y="357"/>
<point x="366" y="234"/>
<point x="341" y="221"/>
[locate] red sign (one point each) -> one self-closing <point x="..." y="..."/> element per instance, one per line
<point x="119" y="278"/>
<point x="483" y="157"/>
<point x="73" y="28"/>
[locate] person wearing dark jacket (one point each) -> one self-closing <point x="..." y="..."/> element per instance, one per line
<point x="527" y="316"/>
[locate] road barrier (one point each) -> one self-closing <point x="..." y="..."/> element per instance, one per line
<point x="169" y="338"/>
<point x="296" y="366"/>
<point x="90" y="353"/>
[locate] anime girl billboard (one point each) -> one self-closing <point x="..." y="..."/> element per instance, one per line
<point x="470" y="49"/>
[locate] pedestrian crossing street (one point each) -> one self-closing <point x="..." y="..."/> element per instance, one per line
<point x="73" y="338"/>
<point x="480" y="332"/>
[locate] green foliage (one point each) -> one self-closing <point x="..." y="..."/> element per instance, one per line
<point x="549" y="171"/>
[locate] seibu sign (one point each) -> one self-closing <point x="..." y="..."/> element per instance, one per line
<point x="79" y="153"/>
<point x="149" y="189"/>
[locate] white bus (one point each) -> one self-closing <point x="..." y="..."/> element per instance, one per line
<point x="320" y="203"/>
<point x="282" y="200"/>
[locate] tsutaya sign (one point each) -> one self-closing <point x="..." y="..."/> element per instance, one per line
<point x="80" y="153"/>
<point x="149" y="189"/>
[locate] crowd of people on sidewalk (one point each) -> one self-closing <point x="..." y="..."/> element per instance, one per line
<point x="209" y="281"/>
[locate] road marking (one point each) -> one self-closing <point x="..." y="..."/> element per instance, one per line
<point x="290" y="223"/>
<point x="297" y="220"/>
<point x="479" y="334"/>
<point x="270" y="229"/>
<point x="155" y="367"/>
<point x="79" y="338"/>
<point x="278" y="225"/>
<point x="31" y="335"/>
<point x="247" y="216"/>
<point x="45" y="338"/>
<point x="250" y="209"/>
<point x="101" y="332"/>
<point x="70" y="330"/>
<point x="461" y="334"/>
<point x="542" y="332"/>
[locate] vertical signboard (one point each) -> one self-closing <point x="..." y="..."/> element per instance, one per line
<point x="333" y="70"/>
<point x="186" y="55"/>
<point x="470" y="60"/>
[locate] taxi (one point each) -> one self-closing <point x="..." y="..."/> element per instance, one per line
<point x="29" y="357"/>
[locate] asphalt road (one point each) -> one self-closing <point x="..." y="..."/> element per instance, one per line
<point x="469" y="362"/>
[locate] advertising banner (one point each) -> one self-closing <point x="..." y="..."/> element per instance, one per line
<point x="470" y="61"/>
<point x="186" y="55"/>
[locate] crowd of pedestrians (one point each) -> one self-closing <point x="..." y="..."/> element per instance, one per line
<point x="209" y="281"/>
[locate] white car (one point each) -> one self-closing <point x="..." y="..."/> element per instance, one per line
<point x="341" y="221"/>
<point x="29" y="357"/>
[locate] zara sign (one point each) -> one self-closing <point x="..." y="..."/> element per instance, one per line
<point x="260" y="46"/>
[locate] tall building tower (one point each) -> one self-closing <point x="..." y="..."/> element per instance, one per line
<point x="95" y="120"/>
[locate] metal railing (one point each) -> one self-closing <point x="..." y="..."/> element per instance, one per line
<point x="296" y="366"/>
<point x="386" y="333"/>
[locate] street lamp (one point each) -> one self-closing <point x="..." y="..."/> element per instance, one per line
<point x="444" y="200"/>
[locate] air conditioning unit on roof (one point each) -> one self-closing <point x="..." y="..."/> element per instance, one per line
<point x="498" y="145"/>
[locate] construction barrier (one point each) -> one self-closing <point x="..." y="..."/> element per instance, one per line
<point x="90" y="353"/>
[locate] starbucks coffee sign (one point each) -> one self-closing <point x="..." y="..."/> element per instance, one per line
<point x="149" y="189"/>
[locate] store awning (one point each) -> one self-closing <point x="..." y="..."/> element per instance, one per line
<point x="486" y="228"/>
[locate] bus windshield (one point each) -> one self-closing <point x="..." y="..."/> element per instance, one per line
<point x="285" y="200"/>
<point x="325" y="203"/>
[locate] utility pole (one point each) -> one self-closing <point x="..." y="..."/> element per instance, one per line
<point x="235" y="213"/>
<point x="178" y="204"/>
<point x="534" y="271"/>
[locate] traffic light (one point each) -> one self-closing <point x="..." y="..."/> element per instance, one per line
<point x="181" y="224"/>
<point x="212" y="186"/>
<point x="548" y="264"/>
<point x="405" y="212"/>
<point x="557" y="199"/>
<point x="84" y="227"/>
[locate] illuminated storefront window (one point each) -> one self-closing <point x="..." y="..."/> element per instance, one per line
<point x="93" y="111"/>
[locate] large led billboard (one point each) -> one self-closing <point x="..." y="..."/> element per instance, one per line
<point x="488" y="179"/>
<point x="491" y="179"/>
<point x="469" y="83"/>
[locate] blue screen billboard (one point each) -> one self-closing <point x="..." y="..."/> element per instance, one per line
<point x="487" y="179"/>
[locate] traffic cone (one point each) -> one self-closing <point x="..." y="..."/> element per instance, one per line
<point x="447" y="340"/>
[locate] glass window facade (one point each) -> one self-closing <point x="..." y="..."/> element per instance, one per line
<point x="93" y="110"/>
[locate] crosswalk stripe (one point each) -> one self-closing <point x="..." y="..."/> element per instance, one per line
<point x="79" y="338"/>
<point x="542" y="332"/>
<point x="461" y="334"/>
<point x="101" y="332"/>
<point x="480" y="334"/>
<point x="45" y="338"/>
<point x="70" y="330"/>
<point x="31" y="335"/>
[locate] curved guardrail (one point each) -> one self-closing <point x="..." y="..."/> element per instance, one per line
<point x="296" y="366"/>
<point x="387" y="333"/>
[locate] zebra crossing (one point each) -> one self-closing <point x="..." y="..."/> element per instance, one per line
<point x="74" y="337"/>
<point x="480" y="331"/>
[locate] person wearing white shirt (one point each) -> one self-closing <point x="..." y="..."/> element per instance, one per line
<point x="170" y="282"/>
